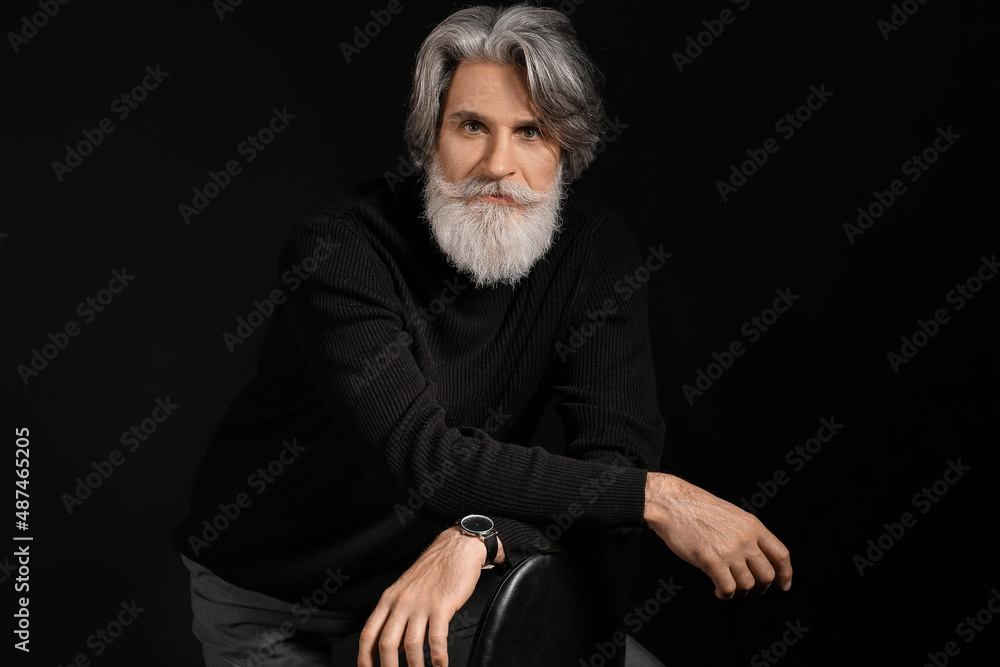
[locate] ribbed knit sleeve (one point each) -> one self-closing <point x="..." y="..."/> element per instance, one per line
<point x="605" y="371"/>
<point x="393" y="397"/>
<point x="605" y="377"/>
<point x="349" y="316"/>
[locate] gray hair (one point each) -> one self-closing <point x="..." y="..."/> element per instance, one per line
<point x="563" y="81"/>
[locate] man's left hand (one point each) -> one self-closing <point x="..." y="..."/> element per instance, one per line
<point x="422" y="602"/>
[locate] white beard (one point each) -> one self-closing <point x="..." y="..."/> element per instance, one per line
<point x="492" y="242"/>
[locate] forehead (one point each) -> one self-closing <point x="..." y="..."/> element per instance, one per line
<point x="489" y="87"/>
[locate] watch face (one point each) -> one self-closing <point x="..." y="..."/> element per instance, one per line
<point x="477" y="523"/>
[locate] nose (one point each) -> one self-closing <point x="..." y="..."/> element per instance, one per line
<point x="498" y="157"/>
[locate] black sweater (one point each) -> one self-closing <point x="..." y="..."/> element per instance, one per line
<point x="393" y="397"/>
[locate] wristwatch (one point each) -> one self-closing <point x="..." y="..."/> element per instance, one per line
<point x="477" y="525"/>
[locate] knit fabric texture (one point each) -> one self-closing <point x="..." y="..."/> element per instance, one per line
<point x="393" y="397"/>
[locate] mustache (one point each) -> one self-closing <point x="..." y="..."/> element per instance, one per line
<point x="479" y="186"/>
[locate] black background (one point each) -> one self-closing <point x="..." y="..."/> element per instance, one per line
<point x="679" y="132"/>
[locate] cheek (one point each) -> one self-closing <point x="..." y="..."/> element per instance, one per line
<point x="456" y="161"/>
<point x="541" y="168"/>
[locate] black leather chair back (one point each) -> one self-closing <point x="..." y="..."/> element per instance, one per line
<point x="549" y="611"/>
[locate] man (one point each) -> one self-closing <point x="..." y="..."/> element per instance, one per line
<point x="393" y="398"/>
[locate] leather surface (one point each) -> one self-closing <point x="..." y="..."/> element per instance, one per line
<point x="550" y="610"/>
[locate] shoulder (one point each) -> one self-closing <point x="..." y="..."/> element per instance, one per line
<point x="350" y="207"/>
<point x="340" y="242"/>
<point x="599" y="232"/>
<point x="346" y="220"/>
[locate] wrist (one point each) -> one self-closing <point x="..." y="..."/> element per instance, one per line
<point x="479" y="552"/>
<point x="468" y="548"/>
<point x="660" y="487"/>
<point x="652" y="484"/>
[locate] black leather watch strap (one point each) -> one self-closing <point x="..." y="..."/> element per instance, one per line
<point x="491" y="548"/>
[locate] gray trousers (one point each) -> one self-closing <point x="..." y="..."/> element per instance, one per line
<point x="241" y="628"/>
<point x="244" y="628"/>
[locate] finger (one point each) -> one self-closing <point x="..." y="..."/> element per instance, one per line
<point x="413" y="641"/>
<point x="388" y="642"/>
<point x="777" y="553"/>
<point x="762" y="572"/>
<point x="744" y="579"/>
<point x="437" y="637"/>
<point x="370" y="635"/>
<point x="725" y="584"/>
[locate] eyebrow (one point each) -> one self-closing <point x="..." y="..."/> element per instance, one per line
<point x="464" y="114"/>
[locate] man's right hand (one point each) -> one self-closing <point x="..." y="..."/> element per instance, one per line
<point x="728" y="544"/>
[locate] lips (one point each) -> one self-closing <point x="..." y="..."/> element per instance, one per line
<point x="498" y="199"/>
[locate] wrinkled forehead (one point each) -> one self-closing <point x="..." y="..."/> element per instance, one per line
<point x="489" y="91"/>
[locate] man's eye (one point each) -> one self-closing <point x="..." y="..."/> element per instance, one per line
<point x="472" y="127"/>
<point x="531" y="133"/>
